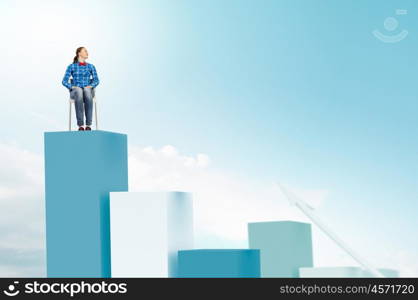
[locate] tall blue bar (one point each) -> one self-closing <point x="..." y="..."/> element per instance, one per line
<point x="81" y="168"/>
<point x="219" y="263"/>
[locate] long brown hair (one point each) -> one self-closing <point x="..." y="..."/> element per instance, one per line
<point x="76" y="54"/>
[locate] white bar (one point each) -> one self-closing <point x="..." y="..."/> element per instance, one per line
<point x="147" y="229"/>
<point x="331" y="272"/>
<point x="343" y="272"/>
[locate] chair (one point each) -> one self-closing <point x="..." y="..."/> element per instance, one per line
<point x="71" y="101"/>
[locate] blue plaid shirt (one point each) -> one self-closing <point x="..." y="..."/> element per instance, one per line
<point x="81" y="76"/>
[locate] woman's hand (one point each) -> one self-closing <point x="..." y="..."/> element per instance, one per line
<point x="89" y="86"/>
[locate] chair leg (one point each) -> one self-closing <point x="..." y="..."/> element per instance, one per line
<point x="95" y="115"/>
<point x="69" y="123"/>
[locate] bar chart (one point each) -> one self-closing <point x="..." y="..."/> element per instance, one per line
<point x="98" y="228"/>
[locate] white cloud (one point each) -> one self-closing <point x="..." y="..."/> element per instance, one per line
<point x="22" y="212"/>
<point x="224" y="202"/>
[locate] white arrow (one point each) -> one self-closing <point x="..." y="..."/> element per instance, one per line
<point x="308" y="211"/>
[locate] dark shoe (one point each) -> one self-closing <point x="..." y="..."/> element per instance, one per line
<point x="80" y="128"/>
<point x="88" y="128"/>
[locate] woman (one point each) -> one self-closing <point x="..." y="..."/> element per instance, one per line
<point x="81" y="86"/>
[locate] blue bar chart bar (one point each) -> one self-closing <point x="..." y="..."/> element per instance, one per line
<point x="81" y="168"/>
<point x="220" y="263"/>
<point x="285" y="246"/>
<point x="147" y="230"/>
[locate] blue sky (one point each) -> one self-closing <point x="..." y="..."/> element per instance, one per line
<point x="298" y="91"/>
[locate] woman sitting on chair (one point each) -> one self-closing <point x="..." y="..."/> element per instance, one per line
<point x="81" y="86"/>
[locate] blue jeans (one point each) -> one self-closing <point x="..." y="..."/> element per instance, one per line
<point x="83" y="103"/>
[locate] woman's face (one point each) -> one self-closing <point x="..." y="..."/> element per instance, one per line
<point x="83" y="53"/>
